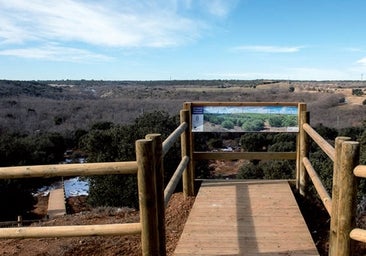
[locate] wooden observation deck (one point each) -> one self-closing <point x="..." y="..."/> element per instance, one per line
<point x="245" y="218"/>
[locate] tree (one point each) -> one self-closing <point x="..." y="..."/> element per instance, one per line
<point x="254" y="142"/>
<point x="228" y="124"/>
<point x="15" y="149"/>
<point x="250" y="171"/>
<point x="357" y="92"/>
<point x="275" y="121"/>
<point x="118" y="144"/>
<point x="253" y="125"/>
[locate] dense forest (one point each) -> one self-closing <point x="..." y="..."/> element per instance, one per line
<point x="100" y="120"/>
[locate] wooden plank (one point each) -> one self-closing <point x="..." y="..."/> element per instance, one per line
<point x="56" y="203"/>
<point x="245" y="218"/>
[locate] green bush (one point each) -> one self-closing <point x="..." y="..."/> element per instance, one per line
<point x="357" y="92"/>
<point x="118" y="144"/>
<point x="15" y="149"/>
<point x="253" y="125"/>
<point x="228" y="124"/>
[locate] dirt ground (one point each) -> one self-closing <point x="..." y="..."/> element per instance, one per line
<point x="176" y="215"/>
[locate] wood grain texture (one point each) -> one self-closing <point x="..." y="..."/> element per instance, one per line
<point x="56" y="203"/>
<point x="245" y="218"/>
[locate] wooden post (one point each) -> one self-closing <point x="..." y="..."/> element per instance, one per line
<point x="347" y="184"/>
<point x="187" y="139"/>
<point x="188" y="177"/>
<point x="335" y="196"/>
<point x="20" y="220"/>
<point x="159" y="168"/>
<point x="303" y="150"/>
<point x="147" y="197"/>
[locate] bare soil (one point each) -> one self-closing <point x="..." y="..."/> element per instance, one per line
<point x="176" y="216"/>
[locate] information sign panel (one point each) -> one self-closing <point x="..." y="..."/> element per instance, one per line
<point x="245" y="119"/>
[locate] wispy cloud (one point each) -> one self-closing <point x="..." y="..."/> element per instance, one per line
<point x="353" y="49"/>
<point x="362" y="61"/>
<point x="45" y="29"/>
<point x="108" y="23"/>
<point x="220" y="8"/>
<point x="267" y="48"/>
<point x="55" y="53"/>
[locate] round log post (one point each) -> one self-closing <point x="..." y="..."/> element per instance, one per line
<point x="186" y="149"/>
<point x="347" y="190"/>
<point x="303" y="150"/>
<point x="335" y="195"/>
<point x="20" y="221"/>
<point x="159" y="168"/>
<point x="147" y="197"/>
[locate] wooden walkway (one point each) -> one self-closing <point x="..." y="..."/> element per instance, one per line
<point x="245" y="218"/>
<point x="56" y="202"/>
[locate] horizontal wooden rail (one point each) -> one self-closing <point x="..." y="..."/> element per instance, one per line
<point x="243" y="104"/>
<point x="360" y="171"/>
<point x="175" y="179"/>
<point x="322" y="143"/>
<point x="358" y="235"/>
<point x="47" y="171"/>
<point x="244" y="155"/>
<point x="173" y="137"/>
<point x="323" y="194"/>
<point x="72" y="231"/>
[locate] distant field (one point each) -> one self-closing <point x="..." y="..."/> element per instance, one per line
<point x="66" y="105"/>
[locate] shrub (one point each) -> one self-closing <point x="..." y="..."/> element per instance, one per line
<point x="228" y="124"/>
<point x="357" y="92"/>
<point x="118" y="144"/>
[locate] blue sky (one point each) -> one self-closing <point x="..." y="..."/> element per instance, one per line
<point x="183" y="39"/>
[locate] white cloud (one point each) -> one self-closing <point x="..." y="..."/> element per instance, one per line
<point x="108" y="23"/>
<point x="362" y="61"/>
<point x="353" y="49"/>
<point x="219" y="8"/>
<point x="268" y="48"/>
<point x="55" y="53"/>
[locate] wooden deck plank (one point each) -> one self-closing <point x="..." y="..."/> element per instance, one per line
<point x="245" y="218"/>
<point x="56" y="203"/>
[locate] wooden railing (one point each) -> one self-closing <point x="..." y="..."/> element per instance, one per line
<point x="357" y="233"/>
<point x="150" y="178"/>
<point x="198" y="155"/>
<point x="342" y="205"/>
<point x="153" y="196"/>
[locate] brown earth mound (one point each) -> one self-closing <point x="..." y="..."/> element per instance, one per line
<point x="176" y="215"/>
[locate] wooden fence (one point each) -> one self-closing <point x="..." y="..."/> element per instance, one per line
<point x="345" y="155"/>
<point x="153" y="197"/>
<point x="341" y="206"/>
<point x="150" y="178"/>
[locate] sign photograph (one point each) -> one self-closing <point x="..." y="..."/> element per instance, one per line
<point x="245" y="119"/>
